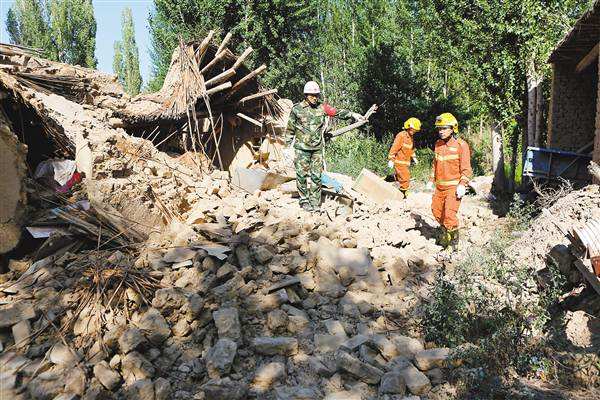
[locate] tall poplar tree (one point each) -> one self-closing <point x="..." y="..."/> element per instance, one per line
<point x="126" y="62"/>
<point x="65" y="30"/>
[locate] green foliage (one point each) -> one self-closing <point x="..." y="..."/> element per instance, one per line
<point x="73" y="31"/>
<point x="27" y="25"/>
<point x="492" y="303"/>
<point x="281" y="32"/>
<point x="126" y="62"/>
<point x="350" y="153"/>
<point x="65" y="30"/>
<point x="487" y="302"/>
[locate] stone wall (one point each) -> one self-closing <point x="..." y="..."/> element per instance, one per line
<point x="597" y="139"/>
<point x="573" y="108"/>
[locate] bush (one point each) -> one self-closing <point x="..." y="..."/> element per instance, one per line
<point x="350" y="153"/>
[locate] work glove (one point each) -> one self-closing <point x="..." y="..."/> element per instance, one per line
<point x="357" y="116"/>
<point x="429" y="185"/>
<point x="415" y="160"/>
<point x="460" y="191"/>
<point x="390" y="164"/>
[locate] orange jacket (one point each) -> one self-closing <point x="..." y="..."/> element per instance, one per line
<point x="452" y="163"/>
<point x="402" y="149"/>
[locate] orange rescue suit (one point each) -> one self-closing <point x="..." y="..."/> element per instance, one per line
<point x="401" y="154"/>
<point x="451" y="167"/>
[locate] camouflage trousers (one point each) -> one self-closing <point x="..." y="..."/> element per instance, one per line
<point x="309" y="164"/>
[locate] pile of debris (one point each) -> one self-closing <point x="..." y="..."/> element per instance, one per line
<point x="155" y="276"/>
<point x="241" y="295"/>
<point x="545" y="243"/>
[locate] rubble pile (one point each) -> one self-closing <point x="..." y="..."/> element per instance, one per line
<point x="240" y="296"/>
<point x="545" y="241"/>
<point x="160" y="279"/>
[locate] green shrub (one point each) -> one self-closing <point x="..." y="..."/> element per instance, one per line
<point x="350" y="153"/>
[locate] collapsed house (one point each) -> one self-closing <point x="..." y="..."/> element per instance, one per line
<point x="210" y="105"/>
<point x="574" y="120"/>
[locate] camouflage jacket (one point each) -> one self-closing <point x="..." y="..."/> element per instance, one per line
<point x="309" y="124"/>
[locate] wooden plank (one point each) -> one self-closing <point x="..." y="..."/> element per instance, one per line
<point x="588" y="275"/>
<point x="588" y="59"/>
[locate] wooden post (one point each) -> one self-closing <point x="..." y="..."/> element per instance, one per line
<point x="539" y="106"/>
<point x="499" y="182"/>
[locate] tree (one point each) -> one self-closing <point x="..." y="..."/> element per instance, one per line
<point x="281" y="32"/>
<point x="27" y="25"/>
<point x="126" y="62"/>
<point x="65" y="30"/>
<point x="73" y="31"/>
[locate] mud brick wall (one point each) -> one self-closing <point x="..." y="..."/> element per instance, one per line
<point x="573" y="108"/>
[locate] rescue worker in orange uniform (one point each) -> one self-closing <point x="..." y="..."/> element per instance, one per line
<point x="451" y="172"/>
<point x="402" y="152"/>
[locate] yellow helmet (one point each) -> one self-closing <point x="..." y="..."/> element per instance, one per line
<point x="414" y="123"/>
<point x="446" y="120"/>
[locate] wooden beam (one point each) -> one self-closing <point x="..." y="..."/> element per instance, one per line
<point x="211" y="64"/>
<point x="223" y="76"/>
<point x="203" y="46"/>
<point x="257" y="96"/>
<point x="239" y="84"/>
<point x="219" y="88"/>
<point x="249" y="119"/>
<point x="588" y="275"/>
<point x="588" y="59"/>
<point x="242" y="58"/>
<point x="224" y="43"/>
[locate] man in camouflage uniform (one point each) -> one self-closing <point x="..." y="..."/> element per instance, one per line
<point x="306" y="130"/>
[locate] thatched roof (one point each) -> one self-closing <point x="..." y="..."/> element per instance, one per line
<point x="581" y="39"/>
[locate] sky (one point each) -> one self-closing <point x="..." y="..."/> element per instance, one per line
<point x="108" y="20"/>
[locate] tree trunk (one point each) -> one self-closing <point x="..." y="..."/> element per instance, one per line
<point x="514" y="144"/>
<point x="531" y="108"/>
<point x="499" y="183"/>
<point x="539" y="112"/>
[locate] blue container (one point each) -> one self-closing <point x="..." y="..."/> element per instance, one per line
<point x="553" y="164"/>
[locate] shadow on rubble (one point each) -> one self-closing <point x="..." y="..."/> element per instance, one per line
<point x="100" y="292"/>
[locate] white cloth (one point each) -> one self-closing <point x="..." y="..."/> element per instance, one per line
<point x="60" y="170"/>
<point x="460" y="191"/>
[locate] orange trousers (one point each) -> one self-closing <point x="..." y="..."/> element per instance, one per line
<point x="403" y="176"/>
<point x="444" y="207"/>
